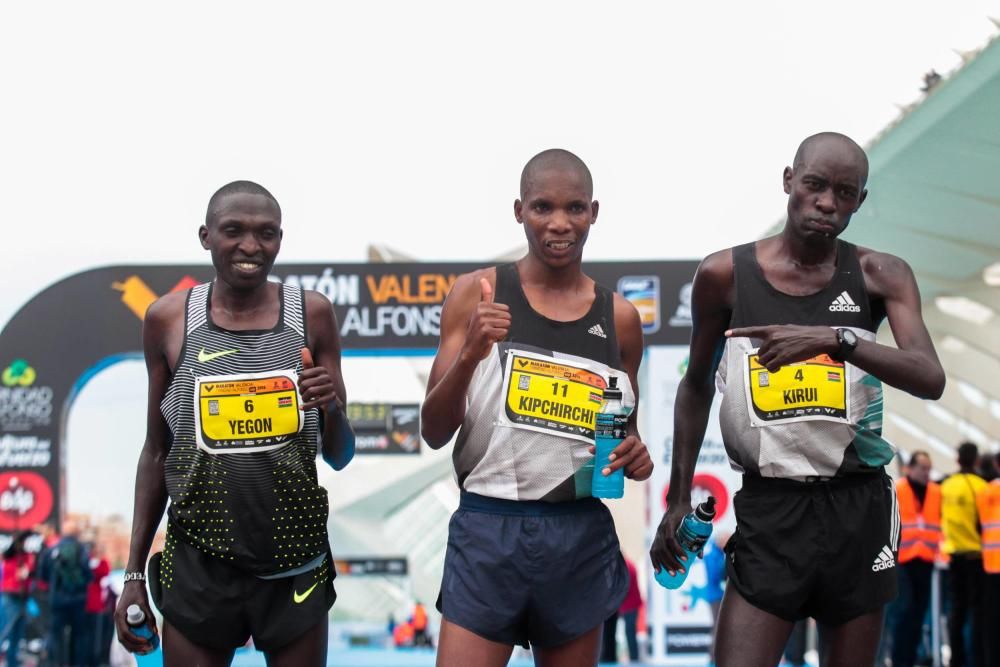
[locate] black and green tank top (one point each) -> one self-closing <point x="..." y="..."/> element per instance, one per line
<point x="241" y="471"/>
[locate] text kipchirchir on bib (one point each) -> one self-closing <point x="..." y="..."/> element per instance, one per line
<point x="551" y="395"/>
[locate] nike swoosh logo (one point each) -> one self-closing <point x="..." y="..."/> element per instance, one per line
<point x="300" y="597"/>
<point x="205" y="357"/>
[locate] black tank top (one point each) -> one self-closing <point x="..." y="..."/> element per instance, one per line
<point x="532" y="401"/>
<point x="248" y="498"/>
<point x="816" y="418"/>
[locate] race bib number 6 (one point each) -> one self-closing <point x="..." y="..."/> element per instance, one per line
<point x="817" y="388"/>
<point x="237" y="414"/>
<point x="551" y="395"/>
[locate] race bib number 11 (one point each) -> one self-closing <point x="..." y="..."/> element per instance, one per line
<point x="236" y="414"/>
<point x="551" y="395"/>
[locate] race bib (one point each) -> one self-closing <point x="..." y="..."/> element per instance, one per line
<point x="236" y="414"/>
<point x="551" y="395"/>
<point x="816" y="388"/>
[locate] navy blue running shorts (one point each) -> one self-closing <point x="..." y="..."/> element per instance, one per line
<point x="531" y="572"/>
<point x="825" y="549"/>
<point x="217" y="605"/>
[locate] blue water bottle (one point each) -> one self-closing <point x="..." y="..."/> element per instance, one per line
<point x="137" y="622"/>
<point x="612" y="423"/>
<point x="691" y="535"/>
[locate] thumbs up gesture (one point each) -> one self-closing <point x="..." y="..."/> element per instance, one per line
<point x="489" y="324"/>
<point x="315" y="385"/>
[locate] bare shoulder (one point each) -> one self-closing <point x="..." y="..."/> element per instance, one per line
<point x="467" y="289"/>
<point x="625" y="313"/>
<point x="885" y="274"/>
<point x="166" y="310"/>
<point x="316" y="302"/>
<point x="717" y="267"/>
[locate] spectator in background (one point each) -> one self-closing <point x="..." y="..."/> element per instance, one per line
<point x="65" y="567"/>
<point x="15" y="586"/>
<point x="920" y="519"/>
<point x="962" y="543"/>
<point x="629" y="611"/>
<point x="98" y="617"/>
<point x="420" y="637"/>
<point x="988" y="501"/>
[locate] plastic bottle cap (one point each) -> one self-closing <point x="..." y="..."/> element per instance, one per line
<point x="706" y="510"/>
<point x="134" y="615"/>
<point x="612" y="391"/>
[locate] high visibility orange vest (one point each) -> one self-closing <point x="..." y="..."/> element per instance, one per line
<point x="988" y="502"/>
<point x="921" y="526"/>
<point x="419" y="618"/>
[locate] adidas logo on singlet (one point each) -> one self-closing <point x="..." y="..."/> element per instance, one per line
<point x="884" y="560"/>
<point x="844" y="304"/>
<point x="597" y="331"/>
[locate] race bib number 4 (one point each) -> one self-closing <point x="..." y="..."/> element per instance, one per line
<point x="551" y="395"/>
<point x="236" y="414"/>
<point x="816" y="388"/>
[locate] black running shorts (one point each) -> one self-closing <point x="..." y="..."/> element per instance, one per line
<point x="217" y="605"/>
<point x="531" y="572"/>
<point x="824" y="549"/>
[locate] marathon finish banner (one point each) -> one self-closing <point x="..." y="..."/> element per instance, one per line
<point x="74" y="328"/>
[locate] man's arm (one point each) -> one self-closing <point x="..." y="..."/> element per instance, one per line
<point x="150" y="484"/>
<point x="631" y="453"/>
<point x="711" y="297"/>
<point x="912" y="366"/>
<point x="322" y="382"/>
<point x="470" y="324"/>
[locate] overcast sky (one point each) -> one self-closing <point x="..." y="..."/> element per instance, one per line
<point x="407" y="123"/>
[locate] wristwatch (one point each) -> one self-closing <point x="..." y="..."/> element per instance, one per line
<point x="134" y="576"/>
<point x="848" y="341"/>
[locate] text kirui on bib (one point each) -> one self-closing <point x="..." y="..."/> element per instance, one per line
<point x="254" y="412"/>
<point x="551" y="395"/>
<point x="816" y="388"/>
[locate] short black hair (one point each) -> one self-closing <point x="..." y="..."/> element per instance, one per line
<point x="968" y="454"/>
<point x="917" y="454"/>
<point x="237" y="187"/>
<point x="555" y="157"/>
<point x="800" y="154"/>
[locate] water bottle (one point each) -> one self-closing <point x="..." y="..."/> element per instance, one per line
<point x="692" y="534"/>
<point x="612" y="423"/>
<point x="137" y="622"/>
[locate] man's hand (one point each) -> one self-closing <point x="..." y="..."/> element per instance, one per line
<point x="134" y="593"/>
<point x="489" y="324"/>
<point x="783" y="344"/>
<point x="666" y="553"/>
<point x="631" y="454"/>
<point x="316" y="385"/>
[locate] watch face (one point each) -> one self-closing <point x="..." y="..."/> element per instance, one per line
<point x="849" y="337"/>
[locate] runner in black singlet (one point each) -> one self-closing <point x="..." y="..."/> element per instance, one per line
<point x="789" y="322"/>
<point x="525" y="350"/>
<point x="237" y="407"/>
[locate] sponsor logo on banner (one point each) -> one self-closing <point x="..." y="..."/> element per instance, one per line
<point x="24" y="451"/>
<point x="383" y="428"/>
<point x="644" y="293"/>
<point x="682" y="316"/>
<point x="687" y="640"/>
<point x="137" y="295"/>
<point x="19" y="374"/>
<point x="25" y="500"/>
<point x="24" y="405"/>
